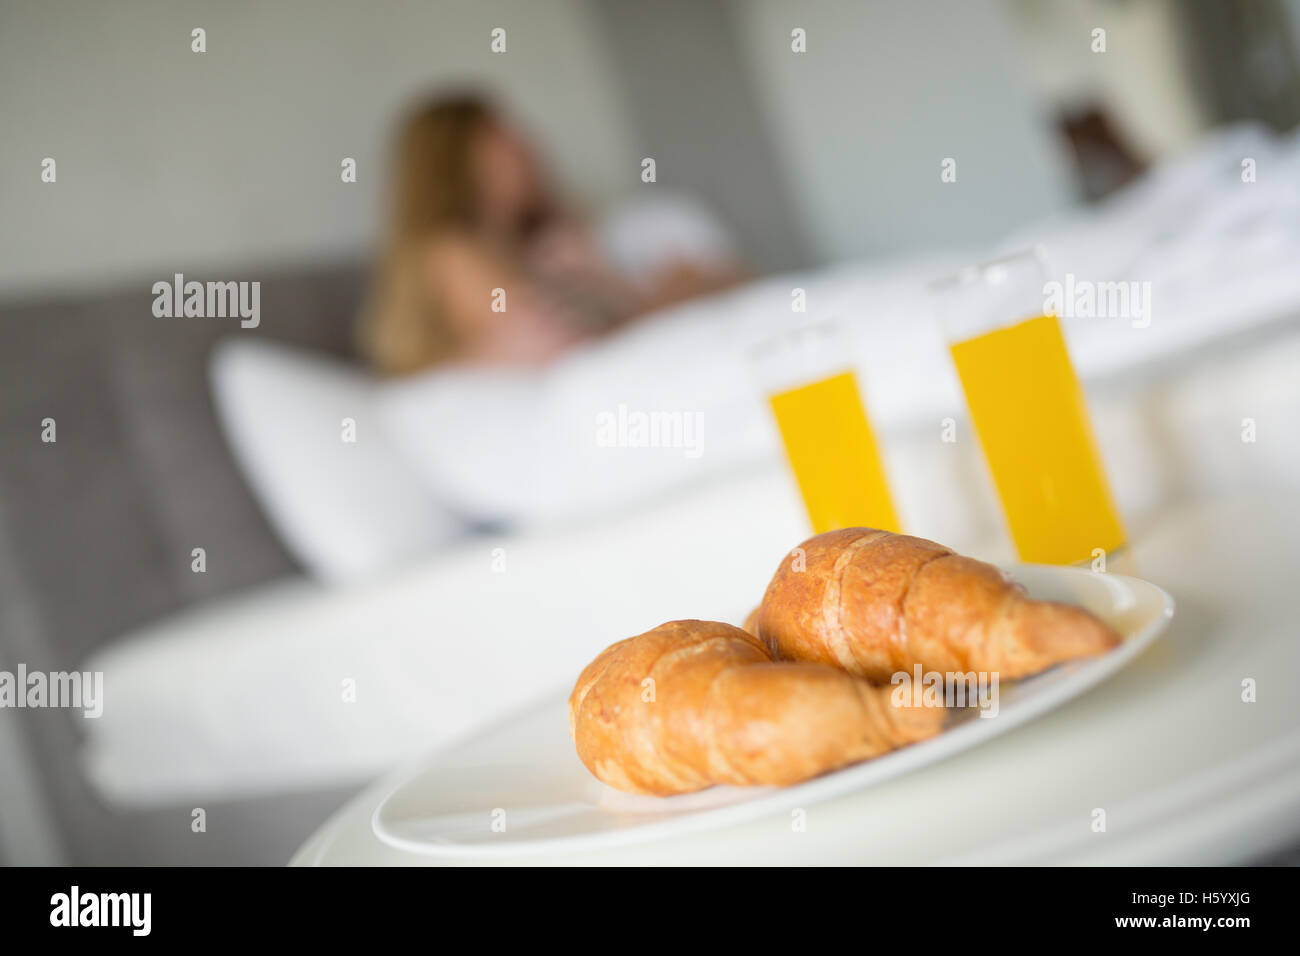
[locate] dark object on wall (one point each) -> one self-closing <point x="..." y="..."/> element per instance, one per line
<point x="1103" y="161"/>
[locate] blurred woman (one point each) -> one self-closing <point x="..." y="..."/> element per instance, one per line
<point x="483" y="263"/>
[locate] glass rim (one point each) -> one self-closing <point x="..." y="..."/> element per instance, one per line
<point x="804" y="333"/>
<point x="973" y="272"/>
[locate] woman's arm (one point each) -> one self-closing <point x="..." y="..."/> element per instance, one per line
<point x="495" y="312"/>
<point x="684" y="280"/>
<point x="568" y="252"/>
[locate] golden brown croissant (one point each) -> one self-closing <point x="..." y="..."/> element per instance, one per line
<point x="876" y="603"/>
<point x="691" y="704"/>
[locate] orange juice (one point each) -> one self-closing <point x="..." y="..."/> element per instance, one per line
<point x="1029" y="413"/>
<point x="833" y="453"/>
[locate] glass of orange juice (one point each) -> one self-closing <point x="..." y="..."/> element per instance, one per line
<point x="812" y="390"/>
<point x="1028" y="410"/>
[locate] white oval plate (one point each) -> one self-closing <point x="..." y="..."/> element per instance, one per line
<point x="519" y="787"/>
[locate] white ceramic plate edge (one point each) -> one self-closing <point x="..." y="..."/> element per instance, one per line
<point x="773" y="800"/>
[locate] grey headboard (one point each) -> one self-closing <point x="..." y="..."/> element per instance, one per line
<point x="97" y="528"/>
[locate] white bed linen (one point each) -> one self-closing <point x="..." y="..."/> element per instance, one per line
<point x="1216" y="254"/>
<point x="246" y="695"/>
<point x="345" y="505"/>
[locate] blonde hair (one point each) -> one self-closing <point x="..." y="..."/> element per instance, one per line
<point x="432" y="192"/>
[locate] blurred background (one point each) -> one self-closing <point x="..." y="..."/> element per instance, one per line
<point x="226" y="164"/>
<point x="795" y="152"/>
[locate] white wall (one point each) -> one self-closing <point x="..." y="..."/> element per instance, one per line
<point x="231" y="158"/>
<point x="886" y="91"/>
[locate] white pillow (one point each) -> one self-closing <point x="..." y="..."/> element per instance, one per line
<point x="342" y="508"/>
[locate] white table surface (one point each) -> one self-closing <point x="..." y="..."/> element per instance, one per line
<point x="1186" y="771"/>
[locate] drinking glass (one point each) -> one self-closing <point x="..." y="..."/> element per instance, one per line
<point x="813" y="392"/>
<point x="1028" y="410"/>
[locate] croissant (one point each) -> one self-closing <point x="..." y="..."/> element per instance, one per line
<point x="876" y="603"/>
<point x="691" y="704"/>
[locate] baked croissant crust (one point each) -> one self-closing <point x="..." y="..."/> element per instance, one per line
<point x="691" y="704"/>
<point x="876" y="603"/>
